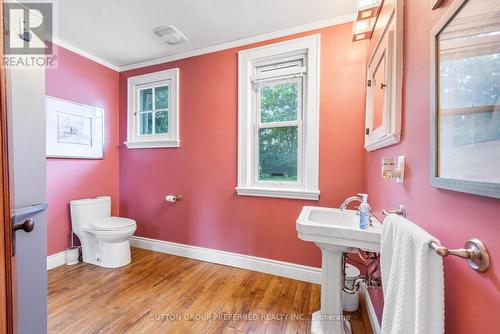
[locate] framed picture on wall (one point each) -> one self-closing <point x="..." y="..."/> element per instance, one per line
<point x="73" y="130"/>
<point x="465" y="98"/>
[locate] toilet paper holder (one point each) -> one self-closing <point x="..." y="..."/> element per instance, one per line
<point x="173" y="198"/>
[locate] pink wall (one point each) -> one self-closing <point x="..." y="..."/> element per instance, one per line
<point x="203" y="169"/>
<point x="81" y="80"/>
<point x="472" y="299"/>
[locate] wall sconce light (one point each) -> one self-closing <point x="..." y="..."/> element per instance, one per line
<point x="362" y="30"/>
<point x="368" y="8"/>
<point x="368" y="11"/>
<point x="392" y="169"/>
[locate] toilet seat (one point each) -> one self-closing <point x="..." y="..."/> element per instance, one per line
<point x="105" y="240"/>
<point x="112" y="224"/>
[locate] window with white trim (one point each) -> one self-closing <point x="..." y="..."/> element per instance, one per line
<point x="278" y="136"/>
<point x="153" y="110"/>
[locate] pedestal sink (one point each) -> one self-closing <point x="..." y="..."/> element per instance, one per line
<point x="335" y="232"/>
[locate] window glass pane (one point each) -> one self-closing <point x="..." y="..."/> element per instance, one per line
<point x="470" y="81"/>
<point x="161" y="97"/>
<point x="468" y="115"/>
<point x="279" y="101"/>
<point x="278" y="154"/>
<point x="145" y="123"/>
<point x="161" y="122"/>
<point x="146" y="99"/>
<point x="378" y="94"/>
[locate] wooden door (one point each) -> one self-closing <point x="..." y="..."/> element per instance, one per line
<point x="6" y="263"/>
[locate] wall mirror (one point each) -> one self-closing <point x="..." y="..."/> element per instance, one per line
<point x="465" y="98"/>
<point x="384" y="79"/>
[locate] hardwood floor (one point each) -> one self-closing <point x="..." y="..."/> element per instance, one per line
<point x="160" y="293"/>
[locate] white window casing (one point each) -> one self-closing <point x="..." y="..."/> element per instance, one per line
<point x="168" y="78"/>
<point x="295" y="61"/>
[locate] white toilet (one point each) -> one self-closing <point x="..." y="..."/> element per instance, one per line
<point x="104" y="239"/>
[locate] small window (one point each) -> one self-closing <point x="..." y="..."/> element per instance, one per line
<point x="280" y="111"/>
<point x="153" y="110"/>
<point x="278" y="120"/>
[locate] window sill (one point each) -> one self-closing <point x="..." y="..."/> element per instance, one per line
<point x="153" y="144"/>
<point x="310" y="195"/>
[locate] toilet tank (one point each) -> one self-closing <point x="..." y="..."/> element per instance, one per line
<point x="84" y="211"/>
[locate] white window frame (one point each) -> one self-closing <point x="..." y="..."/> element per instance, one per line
<point x="307" y="185"/>
<point x="168" y="78"/>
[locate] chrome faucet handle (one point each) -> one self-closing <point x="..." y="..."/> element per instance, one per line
<point x="348" y="201"/>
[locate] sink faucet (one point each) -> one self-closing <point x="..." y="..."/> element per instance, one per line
<point x="349" y="200"/>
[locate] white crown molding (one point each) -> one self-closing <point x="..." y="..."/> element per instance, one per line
<point x="85" y="54"/>
<point x="244" y="41"/>
<point x="56" y="260"/>
<point x="267" y="266"/>
<point x="214" y="48"/>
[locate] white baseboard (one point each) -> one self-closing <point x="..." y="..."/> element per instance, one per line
<point x="273" y="267"/>
<point x="371" y="311"/>
<point x="56" y="260"/>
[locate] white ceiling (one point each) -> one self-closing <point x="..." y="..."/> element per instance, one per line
<point x="120" y="31"/>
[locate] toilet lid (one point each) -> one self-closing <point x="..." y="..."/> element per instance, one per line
<point x="112" y="223"/>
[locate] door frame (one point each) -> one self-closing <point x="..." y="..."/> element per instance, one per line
<point x="6" y="259"/>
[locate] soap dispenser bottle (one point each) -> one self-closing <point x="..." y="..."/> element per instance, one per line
<point x="364" y="212"/>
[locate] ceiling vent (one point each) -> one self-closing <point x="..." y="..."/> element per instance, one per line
<point x="170" y="35"/>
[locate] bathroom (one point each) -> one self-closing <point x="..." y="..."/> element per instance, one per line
<point x="235" y="141"/>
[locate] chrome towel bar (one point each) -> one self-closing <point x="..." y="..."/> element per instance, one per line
<point x="474" y="251"/>
<point x="401" y="211"/>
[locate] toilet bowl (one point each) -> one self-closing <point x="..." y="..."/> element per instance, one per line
<point x="105" y="239"/>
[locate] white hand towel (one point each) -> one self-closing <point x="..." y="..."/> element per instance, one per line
<point x="412" y="280"/>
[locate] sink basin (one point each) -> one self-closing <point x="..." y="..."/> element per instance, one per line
<point x="335" y="232"/>
<point x="337" y="227"/>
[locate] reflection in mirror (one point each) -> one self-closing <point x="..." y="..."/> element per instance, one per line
<point x="378" y="93"/>
<point x="469" y="94"/>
